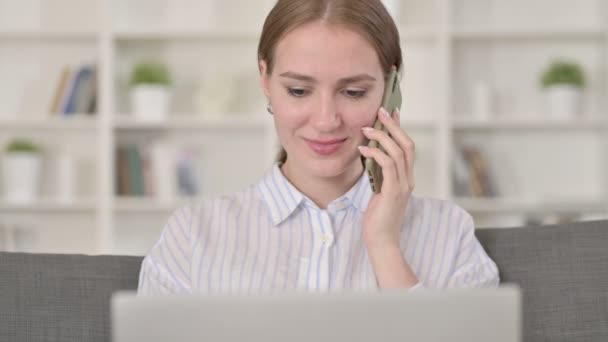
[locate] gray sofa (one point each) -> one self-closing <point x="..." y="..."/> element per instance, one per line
<point x="562" y="270"/>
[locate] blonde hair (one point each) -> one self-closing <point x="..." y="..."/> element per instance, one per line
<point x="367" y="17"/>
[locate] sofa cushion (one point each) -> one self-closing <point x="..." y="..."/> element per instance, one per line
<point x="563" y="273"/>
<point x="60" y="297"/>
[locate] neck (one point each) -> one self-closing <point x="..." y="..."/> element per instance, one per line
<point x="322" y="190"/>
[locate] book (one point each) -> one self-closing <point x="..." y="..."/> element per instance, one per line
<point x="135" y="171"/>
<point x="85" y="91"/>
<point x="158" y="170"/>
<point x="472" y="174"/>
<point x="187" y="175"/>
<point x="77" y="79"/>
<point x="59" y="94"/>
<point x="460" y="174"/>
<point x="76" y="91"/>
<point x="123" y="178"/>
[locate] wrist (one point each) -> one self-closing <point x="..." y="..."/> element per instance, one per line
<point x="382" y="244"/>
<point x="391" y="268"/>
<point x="385" y="251"/>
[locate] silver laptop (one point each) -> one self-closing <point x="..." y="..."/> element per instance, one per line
<point x="454" y="315"/>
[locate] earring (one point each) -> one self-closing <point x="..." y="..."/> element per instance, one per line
<point x="269" y="108"/>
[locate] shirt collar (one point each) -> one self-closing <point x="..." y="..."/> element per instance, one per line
<point x="360" y="193"/>
<point x="282" y="198"/>
<point x="279" y="194"/>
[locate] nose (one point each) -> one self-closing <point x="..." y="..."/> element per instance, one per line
<point x="326" y="117"/>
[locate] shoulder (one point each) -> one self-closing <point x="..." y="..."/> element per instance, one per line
<point x="207" y="210"/>
<point x="208" y="206"/>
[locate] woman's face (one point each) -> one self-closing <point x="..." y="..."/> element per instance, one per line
<point x="327" y="83"/>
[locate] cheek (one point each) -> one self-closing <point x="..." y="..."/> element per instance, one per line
<point x="361" y="116"/>
<point x="288" y="120"/>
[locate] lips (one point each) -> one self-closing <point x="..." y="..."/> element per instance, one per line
<point x="325" y="147"/>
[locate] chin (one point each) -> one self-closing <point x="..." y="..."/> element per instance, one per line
<point x="331" y="167"/>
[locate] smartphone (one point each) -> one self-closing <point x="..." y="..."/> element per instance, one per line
<point x="390" y="102"/>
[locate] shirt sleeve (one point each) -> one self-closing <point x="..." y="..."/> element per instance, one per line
<point x="472" y="266"/>
<point x="166" y="267"/>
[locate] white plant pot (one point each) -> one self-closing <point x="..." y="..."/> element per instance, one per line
<point x="150" y="102"/>
<point x="563" y="102"/>
<point x="21" y="177"/>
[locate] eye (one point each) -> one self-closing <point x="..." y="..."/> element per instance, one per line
<point x="297" y="92"/>
<point x="355" y="94"/>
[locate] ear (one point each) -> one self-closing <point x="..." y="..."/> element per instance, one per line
<point x="264" y="78"/>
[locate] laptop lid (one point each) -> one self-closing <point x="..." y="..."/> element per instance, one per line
<point x="456" y="315"/>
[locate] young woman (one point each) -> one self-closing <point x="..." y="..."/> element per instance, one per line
<point x="312" y="222"/>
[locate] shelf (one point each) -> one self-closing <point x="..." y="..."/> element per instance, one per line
<point x="464" y="124"/>
<point x="447" y="46"/>
<point x="50" y="205"/>
<point x="177" y="34"/>
<point x="196" y="122"/>
<point x="78" y="122"/>
<point x="527" y="33"/>
<point x="529" y="206"/>
<point x="240" y="34"/>
<point x="51" y="34"/>
<point x="146" y="205"/>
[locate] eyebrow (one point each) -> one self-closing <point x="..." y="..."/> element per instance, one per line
<point x="346" y="80"/>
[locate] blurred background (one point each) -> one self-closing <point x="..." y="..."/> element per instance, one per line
<point x="114" y="113"/>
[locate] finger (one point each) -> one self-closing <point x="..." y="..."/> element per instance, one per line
<point x="388" y="165"/>
<point x="406" y="144"/>
<point x="391" y="148"/>
<point x="386" y="141"/>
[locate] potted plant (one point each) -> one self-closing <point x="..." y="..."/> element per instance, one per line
<point x="21" y="171"/>
<point x="562" y="83"/>
<point x="150" y="91"/>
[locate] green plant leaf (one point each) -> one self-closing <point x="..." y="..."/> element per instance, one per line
<point x="150" y="73"/>
<point x="22" y="145"/>
<point x="563" y="72"/>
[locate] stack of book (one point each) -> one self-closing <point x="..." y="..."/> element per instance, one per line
<point x="156" y="170"/>
<point x="76" y="91"/>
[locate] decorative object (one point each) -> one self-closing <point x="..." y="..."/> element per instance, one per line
<point x="150" y="93"/>
<point x="562" y="84"/>
<point x="216" y="94"/>
<point x="21" y="172"/>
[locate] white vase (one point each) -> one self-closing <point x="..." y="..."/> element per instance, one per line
<point x="563" y="102"/>
<point x="21" y="177"/>
<point x="150" y="102"/>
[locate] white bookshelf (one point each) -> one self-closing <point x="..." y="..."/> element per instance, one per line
<point x="50" y="205"/>
<point x="541" y="166"/>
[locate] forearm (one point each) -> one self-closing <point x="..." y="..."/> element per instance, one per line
<point x="391" y="269"/>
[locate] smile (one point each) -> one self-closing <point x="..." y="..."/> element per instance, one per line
<point x="326" y="147"/>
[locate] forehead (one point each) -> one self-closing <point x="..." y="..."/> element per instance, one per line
<point x="325" y="48"/>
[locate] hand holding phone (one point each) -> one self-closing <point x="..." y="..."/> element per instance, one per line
<point x="390" y="101"/>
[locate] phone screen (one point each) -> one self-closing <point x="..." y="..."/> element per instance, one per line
<point x="390" y="101"/>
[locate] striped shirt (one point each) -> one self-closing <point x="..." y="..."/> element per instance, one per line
<point x="271" y="237"/>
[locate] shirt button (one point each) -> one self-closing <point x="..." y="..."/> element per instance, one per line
<point x="325" y="238"/>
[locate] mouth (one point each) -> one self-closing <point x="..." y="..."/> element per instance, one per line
<point x="325" y="147"/>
